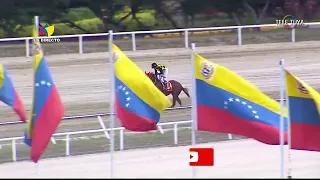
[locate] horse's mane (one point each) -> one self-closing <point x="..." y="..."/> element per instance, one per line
<point x="149" y="73"/>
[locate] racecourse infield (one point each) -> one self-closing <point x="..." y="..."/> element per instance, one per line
<point x="83" y="83"/>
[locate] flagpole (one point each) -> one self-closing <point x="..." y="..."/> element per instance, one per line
<point x="194" y="104"/>
<point x="289" y="127"/>
<point x="281" y="135"/>
<point x="37" y="23"/>
<point x="112" y="111"/>
<point x="36" y="26"/>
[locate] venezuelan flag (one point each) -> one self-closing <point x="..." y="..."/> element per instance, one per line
<point x="138" y="102"/>
<point x="9" y="95"/>
<point x="47" y="108"/>
<point x="304" y="109"/>
<point x="227" y="103"/>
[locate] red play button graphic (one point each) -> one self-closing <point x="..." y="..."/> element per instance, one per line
<point x="201" y="156"/>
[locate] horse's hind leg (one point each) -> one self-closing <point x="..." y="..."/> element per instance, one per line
<point x="179" y="101"/>
<point x="176" y="98"/>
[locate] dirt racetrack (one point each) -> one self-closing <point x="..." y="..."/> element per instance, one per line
<point x="83" y="80"/>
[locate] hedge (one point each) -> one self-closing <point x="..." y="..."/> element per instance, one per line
<point x="77" y="14"/>
<point x="1" y="33"/>
<point x="147" y="17"/>
<point x="94" y="25"/>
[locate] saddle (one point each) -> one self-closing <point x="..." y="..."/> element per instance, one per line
<point x="169" y="86"/>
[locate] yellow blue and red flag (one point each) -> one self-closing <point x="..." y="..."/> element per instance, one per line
<point x="47" y="107"/>
<point x="139" y="102"/>
<point x="304" y="111"/>
<point x="228" y="103"/>
<point x="9" y="95"/>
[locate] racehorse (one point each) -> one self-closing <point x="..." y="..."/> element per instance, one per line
<point x="174" y="88"/>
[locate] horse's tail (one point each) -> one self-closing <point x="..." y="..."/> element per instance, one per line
<point x="185" y="90"/>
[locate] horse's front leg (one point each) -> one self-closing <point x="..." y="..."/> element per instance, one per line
<point x="174" y="99"/>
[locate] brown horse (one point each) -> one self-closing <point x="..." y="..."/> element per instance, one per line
<point x="174" y="88"/>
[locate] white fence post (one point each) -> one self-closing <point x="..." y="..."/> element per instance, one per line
<point x="134" y="46"/>
<point x="27" y="48"/>
<point x="186" y="38"/>
<point x="239" y="36"/>
<point x="67" y="145"/>
<point x="175" y="134"/>
<point x="103" y="127"/>
<point x="80" y="44"/>
<point x="14" y="150"/>
<point x="160" y="129"/>
<point x="121" y="139"/>
<point x="293" y="35"/>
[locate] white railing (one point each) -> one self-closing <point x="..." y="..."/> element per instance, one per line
<point x="68" y="136"/>
<point x="97" y="115"/>
<point x="89" y="116"/>
<point x="134" y="33"/>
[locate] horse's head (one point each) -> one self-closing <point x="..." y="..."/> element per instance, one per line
<point x="151" y="75"/>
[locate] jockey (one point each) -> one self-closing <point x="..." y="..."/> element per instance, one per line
<point x="163" y="72"/>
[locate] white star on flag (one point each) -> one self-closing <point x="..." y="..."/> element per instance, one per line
<point x="122" y="89"/>
<point x="119" y="87"/>
<point x="237" y="102"/>
<point x="43" y="83"/>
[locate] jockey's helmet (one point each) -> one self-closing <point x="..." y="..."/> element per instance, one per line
<point x="154" y="65"/>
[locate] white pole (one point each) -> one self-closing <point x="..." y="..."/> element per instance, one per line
<point x="282" y="91"/>
<point x="37" y="167"/>
<point x="36" y="26"/>
<point x="112" y="111"/>
<point x="194" y="104"/>
<point x="289" y="128"/>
